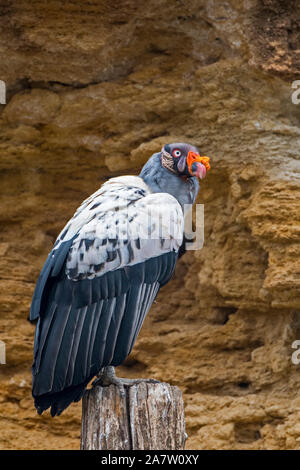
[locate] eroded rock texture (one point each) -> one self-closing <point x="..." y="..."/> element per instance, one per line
<point x="93" y="88"/>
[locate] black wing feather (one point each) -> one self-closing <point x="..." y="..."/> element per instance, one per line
<point x="66" y="349"/>
<point x="114" y="328"/>
<point x="51" y="269"/>
<point x="88" y="324"/>
<point x="125" y="331"/>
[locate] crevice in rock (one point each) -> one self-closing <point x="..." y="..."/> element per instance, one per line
<point x="134" y="365"/>
<point x="245" y="433"/>
<point x="244" y="385"/>
<point x="223" y="314"/>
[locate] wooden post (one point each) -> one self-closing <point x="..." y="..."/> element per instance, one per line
<point x="149" y="416"/>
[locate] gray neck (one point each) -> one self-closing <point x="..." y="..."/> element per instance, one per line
<point x="161" y="180"/>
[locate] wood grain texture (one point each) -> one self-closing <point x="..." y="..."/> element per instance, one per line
<point x="149" y="416"/>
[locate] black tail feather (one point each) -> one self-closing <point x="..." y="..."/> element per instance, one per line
<point x="59" y="401"/>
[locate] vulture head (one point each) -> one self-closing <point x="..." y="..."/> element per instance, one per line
<point x="176" y="170"/>
<point x="185" y="160"/>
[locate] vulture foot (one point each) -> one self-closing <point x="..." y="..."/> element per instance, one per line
<point x="107" y="376"/>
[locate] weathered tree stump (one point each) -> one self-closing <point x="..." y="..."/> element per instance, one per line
<point x="149" y="416"/>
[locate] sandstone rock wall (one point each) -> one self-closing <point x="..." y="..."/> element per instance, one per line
<point x="93" y="89"/>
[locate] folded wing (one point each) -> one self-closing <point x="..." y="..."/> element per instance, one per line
<point x="98" y="284"/>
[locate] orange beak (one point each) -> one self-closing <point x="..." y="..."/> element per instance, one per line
<point x="197" y="165"/>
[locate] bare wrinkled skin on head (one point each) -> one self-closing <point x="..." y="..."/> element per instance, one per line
<point x="176" y="169"/>
<point x="186" y="160"/>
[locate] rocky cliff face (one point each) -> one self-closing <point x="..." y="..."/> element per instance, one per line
<point x="93" y="89"/>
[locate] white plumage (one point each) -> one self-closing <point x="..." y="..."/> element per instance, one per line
<point x="121" y="224"/>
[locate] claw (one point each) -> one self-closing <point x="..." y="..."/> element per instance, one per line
<point x="108" y="377"/>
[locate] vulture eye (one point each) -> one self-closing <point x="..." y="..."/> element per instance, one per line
<point x="176" y="153"/>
